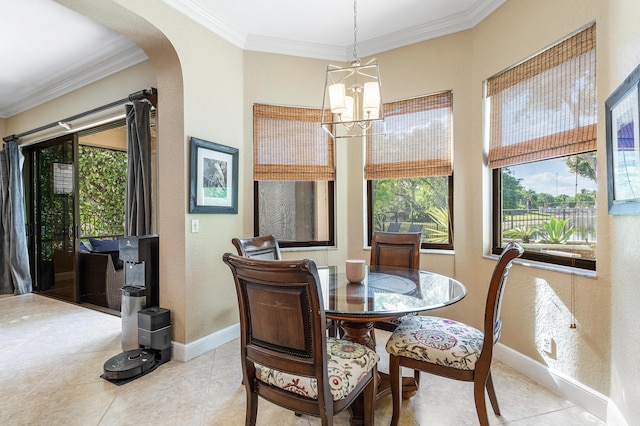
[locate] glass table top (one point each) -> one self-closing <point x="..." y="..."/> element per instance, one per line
<point x="386" y="290"/>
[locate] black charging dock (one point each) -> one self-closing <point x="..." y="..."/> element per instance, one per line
<point x="146" y="331"/>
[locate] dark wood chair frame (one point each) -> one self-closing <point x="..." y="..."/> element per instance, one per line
<point x="266" y="247"/>
<point x="399" y="249"/>
<point x="481" y="375"/>
<point x="282" y="326"/>
<point x="262" y="247"/>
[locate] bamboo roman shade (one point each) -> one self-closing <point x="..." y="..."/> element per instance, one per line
<point x="418" y="139"/>
<point x="545" y="107"/>
<point x="289" y="144"/>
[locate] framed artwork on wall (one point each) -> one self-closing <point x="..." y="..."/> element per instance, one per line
<point x="623" y="147"/>
<point x="214" y="178"/>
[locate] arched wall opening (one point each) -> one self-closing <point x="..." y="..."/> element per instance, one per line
<point x="171" y="142"/>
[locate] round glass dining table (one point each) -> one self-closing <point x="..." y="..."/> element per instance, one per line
<point x="386" y="293"/>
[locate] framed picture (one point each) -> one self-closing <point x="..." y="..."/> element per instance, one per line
<point x="214" y="178"/>
<point x="623" y="147"/>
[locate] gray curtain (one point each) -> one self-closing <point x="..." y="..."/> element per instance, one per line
<point x="139" y="210"/>
<point x="15" y="277"/>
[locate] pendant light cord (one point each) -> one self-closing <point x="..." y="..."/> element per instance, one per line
<point x="573" y="295"/>
<point x="355" y="30"/>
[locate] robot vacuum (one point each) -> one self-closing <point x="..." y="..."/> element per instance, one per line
<point x="129" y="364"/>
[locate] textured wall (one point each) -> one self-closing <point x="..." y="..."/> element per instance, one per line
<point x="221" y="83"/>
<point x="620" y="40"/>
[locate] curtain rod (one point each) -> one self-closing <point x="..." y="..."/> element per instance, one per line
<point x="150" y="95"/>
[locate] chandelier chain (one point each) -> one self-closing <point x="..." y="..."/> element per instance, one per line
<point x="355" y="29"/>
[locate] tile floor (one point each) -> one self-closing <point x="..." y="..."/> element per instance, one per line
<point x="52" y="354"/>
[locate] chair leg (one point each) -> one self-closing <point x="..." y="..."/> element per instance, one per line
<point x="369" y="395"/>
<point x="395" y="379"/>
<point x="481" y="404"/>
<point x="252" y="408"/>
<point x="492" y="395"/>
<point x="332" y="328"/>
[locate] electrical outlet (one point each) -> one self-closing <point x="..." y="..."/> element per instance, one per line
<point x="195" y="226"/>
<point x="547" y="343"/>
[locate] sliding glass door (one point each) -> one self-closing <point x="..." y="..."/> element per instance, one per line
<point x="52" y="213"/>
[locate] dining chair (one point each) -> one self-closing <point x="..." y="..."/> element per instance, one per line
<point x="266" y="247"/>
<point x="262" y="247"/>
<point x="286" y="356"/>
<point x="450" y="348"/>
<point x="398" y="249"/>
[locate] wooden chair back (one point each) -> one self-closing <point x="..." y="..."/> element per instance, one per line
<point x="262" y="247"/>
<point x="492" y="319"/>
<point x="399" y="249"/>
<point x="480" y="373"/>
<point x="282" y="327"/>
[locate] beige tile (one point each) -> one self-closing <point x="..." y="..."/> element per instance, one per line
<point x="53" y="354"/>
<point x="572" y="416"/>
<point x="82" y="404"/>
<point x="161" y="394"/>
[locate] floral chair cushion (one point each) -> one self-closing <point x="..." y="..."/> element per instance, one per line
<point x="347" y="364"/>
<point x="437" y="340"/>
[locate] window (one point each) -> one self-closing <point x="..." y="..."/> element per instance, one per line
<point x="542" y="118"/>
<point x="294" y="172"/>
<point x="409" y="170"/>
<point x="101" y="191"/>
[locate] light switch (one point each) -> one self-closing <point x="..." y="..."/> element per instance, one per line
<point x="195" y="226"/>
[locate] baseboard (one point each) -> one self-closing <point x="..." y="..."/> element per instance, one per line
<point x="588" y="399"/>
<point x="615" y="417"/>
<point x="184" y="353"/>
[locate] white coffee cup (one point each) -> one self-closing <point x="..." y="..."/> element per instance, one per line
<point x="355" y="270"/>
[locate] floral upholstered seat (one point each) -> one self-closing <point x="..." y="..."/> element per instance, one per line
<point x="452" y="349"/>
<point x="287" y="358"/>
<point x="347" y="364"/>
<point x="437" y="340"/>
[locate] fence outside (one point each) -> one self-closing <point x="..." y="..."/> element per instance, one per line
<point x="431" y="231"/>
<point x="583" y="220"/>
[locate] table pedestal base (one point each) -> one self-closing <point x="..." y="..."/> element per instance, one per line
<point x="363" y="333"/>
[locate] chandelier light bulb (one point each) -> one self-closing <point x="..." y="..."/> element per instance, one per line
<point x="371" y="98"/>
<point x="337" y="98"/>
<point x="347" y="115"/>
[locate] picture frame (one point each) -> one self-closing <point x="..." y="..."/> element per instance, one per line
<point x="213" y="178"/>
<point x="622" y="110"/>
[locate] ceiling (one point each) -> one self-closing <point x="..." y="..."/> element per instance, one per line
<point x="54" y="50"/>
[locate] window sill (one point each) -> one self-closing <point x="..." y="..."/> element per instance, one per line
<point x="550" y="267"/>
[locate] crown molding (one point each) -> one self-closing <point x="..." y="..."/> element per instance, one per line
<point x="296" y="48"/>
<point x="483" y="9"/>
<point x="434" y="29"/>
<point x="121" y="57"/>
<point x="199" y="13"/>
<point x="116" y="61"/>
<point x="438" y="28"/>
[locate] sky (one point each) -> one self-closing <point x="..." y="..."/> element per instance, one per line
<point x="555" y="179"/>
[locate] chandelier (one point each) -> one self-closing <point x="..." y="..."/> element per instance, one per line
<point x="352" y="95"/>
